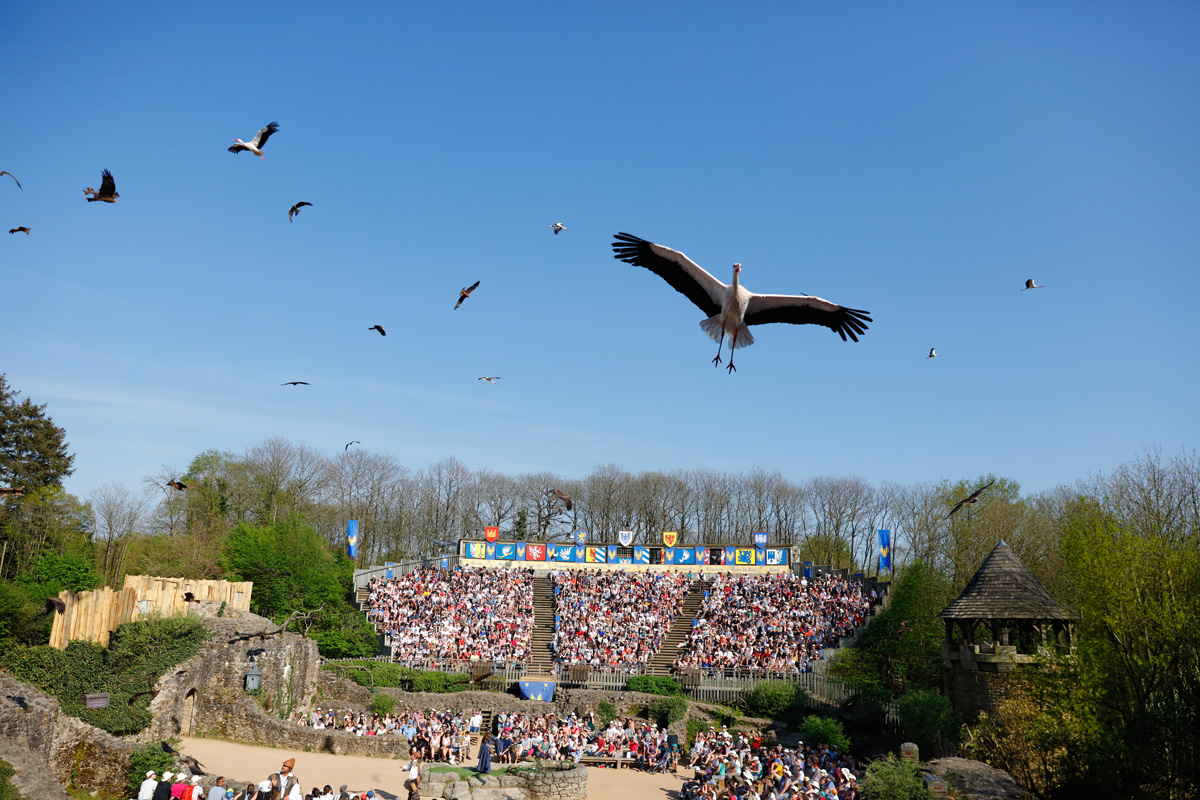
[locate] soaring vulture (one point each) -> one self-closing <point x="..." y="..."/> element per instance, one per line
<point x="20" y="229"/>
<point x="465" y="293"/>
<point x="294" y="210"/>
<point x="14" y="177"/>
<point x="732" y="308"/>
<point x="973" y="497"/>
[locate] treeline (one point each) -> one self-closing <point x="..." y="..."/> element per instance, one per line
<point x="406" y="513"/>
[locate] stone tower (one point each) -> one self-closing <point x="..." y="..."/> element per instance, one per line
<point x="1002" y="621"/>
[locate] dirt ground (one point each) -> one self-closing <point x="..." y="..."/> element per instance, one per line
<point x="386" y="776"/>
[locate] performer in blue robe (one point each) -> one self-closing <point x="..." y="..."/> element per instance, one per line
<point x="485" y="754"/>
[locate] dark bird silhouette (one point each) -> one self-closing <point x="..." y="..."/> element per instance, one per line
<point x="256" y="144"/>
<point x="294" y="210"/>
<point x="903" y="629"/>
<point x="15" y="491"/>
<point x="465" y="293"/>
<point x="54" y="604"/>
<point x="178" y="486"/>
<point x="295" y="383"/>
<point x="108" y="189"/>
<point x="279" y="573"/>
<point x="563" y="497"/>
<point x="732" y="308"/>
<point x="478" y="679"/>
<point x="20" y="229"/>
<point x="379" y="328"/>
<point x="14" y="177"/>
<point x="188" y="597"/>
<point x="347" y="447"/>
<point x="973" y="497"/>
<point x="152" y="692"/>
<point x="169" y="750"/>
<point x="192" y="764"/>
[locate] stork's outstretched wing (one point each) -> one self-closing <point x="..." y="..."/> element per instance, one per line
<point x="686" y="276"/>
<point x="803" y="309"/>
<point x="263" y="134"/>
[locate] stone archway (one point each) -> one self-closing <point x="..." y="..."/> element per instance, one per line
<point x="187" y="713"/>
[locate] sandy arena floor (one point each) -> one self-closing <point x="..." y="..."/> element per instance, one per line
<point x="386" y="776"/>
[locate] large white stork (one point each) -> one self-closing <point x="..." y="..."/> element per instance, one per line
<point x="732" y="308"/>
<point x="256" y="144"/>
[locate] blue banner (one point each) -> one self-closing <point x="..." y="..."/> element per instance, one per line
<point x="445" y="562"/>
<point x="668" y="555"/>
<point x="729" y="555"/>
<point x="490" y="550"/>
<point x="564" y="552"/>
<point x="641" y="555"/>
<point x="612" y="554"/>
<point x="580" y="553"/>
<point x="506" y="551"/>
<point x="624" y="560"/>
<point x="520" y="551"/>
<point x="388" y="572"/>
<point x="476" y="550"/>
<point x="537" y="690"/>
<point x="808" y="569"/>
<point x="885" y="550"/>
<point x="352" y="539"/>
<point x="760" y="556"/>
<point x="760" y="540"/>
<point x="776" y="556"/>
<point x="685" y="555"/>
<point x="701" y="555"/>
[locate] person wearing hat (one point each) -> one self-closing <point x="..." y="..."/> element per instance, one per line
<point x="178" y="786"/>
<point x="163" y="790"/>
<point x="146" y="790"/>
<point x="289" y="784"/>
<point x="192" y="790"/>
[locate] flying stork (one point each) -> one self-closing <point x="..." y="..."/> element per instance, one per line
<point x="558" y="228"/>
<point x="933" y="353"/>
<point x="256" y="144"/>
<point x="731" y="309"/>
<point x="108" y="189"/>
<point x="1029" y="284"/>
<point x="489" y="378"/>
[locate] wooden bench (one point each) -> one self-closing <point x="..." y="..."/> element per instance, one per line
<point x="603" y="761"/>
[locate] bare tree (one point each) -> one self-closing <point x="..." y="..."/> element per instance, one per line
<point x="118" y="512"/>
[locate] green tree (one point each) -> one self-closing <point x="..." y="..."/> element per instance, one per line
<point x="293" y="570"/>
<point x="902" y="647"/>
<point x="33" y="450"/>
<point x="927" y="714"/>
<point x="51" y="573"/>
<point x="889" y="778"/>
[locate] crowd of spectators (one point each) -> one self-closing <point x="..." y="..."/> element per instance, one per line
<point x="432" y="736"/>
<point x="772" y="623"/>
<point x="614" y="619"/>
<point x="729" y="767"/>
<point x="460" y="614"/>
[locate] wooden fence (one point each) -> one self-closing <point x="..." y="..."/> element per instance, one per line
<point x="93" y="616"/>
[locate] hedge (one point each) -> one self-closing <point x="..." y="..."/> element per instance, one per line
<point x="654" y="684"/>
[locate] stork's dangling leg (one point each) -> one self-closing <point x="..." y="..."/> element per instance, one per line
<point x="732" y="346"/>
<point x="717" y="361"/>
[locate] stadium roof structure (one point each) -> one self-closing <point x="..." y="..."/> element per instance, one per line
<point x="1004" y="589"/>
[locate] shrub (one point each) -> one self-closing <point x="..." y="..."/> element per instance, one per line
<point x="439" y="682"/>
<point x="889" y="778"/>
<point x="654" y="684"/>
<point x="7" y="790"/>
<point x="607" y="711"/>
<point x="667" y="710"/>
<point x="926" y="715"/>
<point x="816" y="729"/>
<point x="382" y="703"/>
<point x="146" y="757"/>
<point x="774" y="699"/>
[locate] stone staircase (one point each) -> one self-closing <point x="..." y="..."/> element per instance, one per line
<point x="541" y="653"/>
<point x="681" y="626"/>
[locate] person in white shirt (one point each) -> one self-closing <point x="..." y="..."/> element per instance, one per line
<point x="146" y="790"/>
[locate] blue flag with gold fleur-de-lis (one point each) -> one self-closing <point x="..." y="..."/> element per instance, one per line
<point x="885" y="550"/>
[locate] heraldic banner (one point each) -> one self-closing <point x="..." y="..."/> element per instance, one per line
<point x="537" y="690"/>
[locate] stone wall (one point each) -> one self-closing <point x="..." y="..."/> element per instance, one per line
<point x="569" y="784"/>
<point x="972" y="692"/>
<point x="80" y="756"/>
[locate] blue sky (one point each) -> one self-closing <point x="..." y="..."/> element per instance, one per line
<point x="918" y="161"/>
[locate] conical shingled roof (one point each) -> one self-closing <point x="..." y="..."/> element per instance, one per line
<point x="1004" y="588"/>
